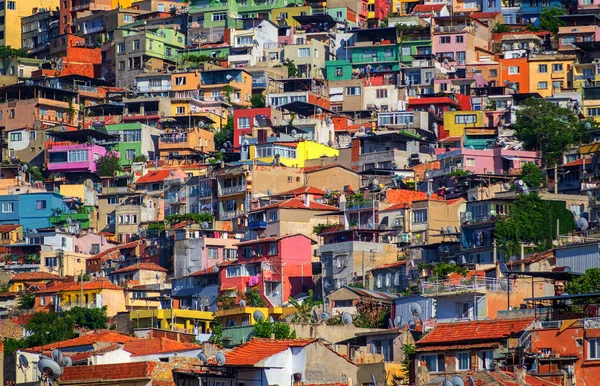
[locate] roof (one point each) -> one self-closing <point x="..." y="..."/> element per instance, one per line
<point x="8" y="228"/>
<point x="577" y="162"/>
<point x="428" y="8"/>
<point x="89" y="374"/>
<point x="29" y="276"/>
<point x="157" y="346"/>
<point x="311" y="169"/>
<point x="154" y="176"/>
<point x="432" y="100"/>
<point x="296" y="203"/>
<point x="405" y="196"/>
<point x="486" y="330"/>
<point x="391" y="265"/>
<point x="203" y="272"/>
<point x="87" y="286"/>
<point x="86" y="340"/>
<point x="366" y="293"/>
<point x="257" y="350"/>
<point x="109" y="252"/>
<point x="140" y="267"/>
<point x="484" y="15"/>
<point x="272" y="239"/>
<point x="445" y="347"/>
<point x="305" y="190"/>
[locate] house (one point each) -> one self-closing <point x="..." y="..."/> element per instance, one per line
<point x="174" y="319"/>
<point x="101" y="264"/>
<point x="213" y="84"/>
<point x="332" y="176"/>
<point x="346" y="299"/>
<point x="277" y="267"/>
<point x="142" y="373"/>
<point x="96" y="294"/>
<point x="486" y="161"/>
<point x="458" y="348"/>
<point x="143" y="273"/>
<point x="553" y="73"/>
<point x="249" y="42"/>
<point x="459" y="37"/>
<point x="134" y="140"/>
<point x="197" y="291"/>
<point x="186" y="144"/>
<point x="11" y="234"/>
<point x="389" y="278"/>
<point x="26" y="280"/>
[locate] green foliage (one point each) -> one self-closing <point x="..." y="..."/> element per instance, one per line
<point x="253" y="298"/>
<point x="459" y="173"/>
<point x="224" y="135"/>
<point x="371" y="314"/>
<point x="108" y="165"/>
<point x="501" y="28"/>
<point x="355" y="199"/>
<point x="217" y="331"/>
<point x="264" y="329"/>
<point x="442" y="270"/>
<point x="196" y="218"/>
<point x="532" y="175"/>
<point x="35" y="172"/>
<point x="407" y="29"/>
<point x="355" y="284"/>
<point x="198" y="60"/>
<point x="549" y="20"/>
<point x="90" y="318"/>
<point x="409" y="352"/>
<point x="547" y="127"/>
<point x="319" y="228"/>
<point x="304" y="310"/>
<point x="140" y="158"/>
<point x="532" y="220"/>
<point x="7" y="52"/>
<point x="227" y="302"/>
<point x="227" y="89"/>
<point x="257" y="101"/>
<point x="292" y="69"/>
<point x="26" y="301"/>
<point x="588" y="283"/>
<point x="156" y="226"/>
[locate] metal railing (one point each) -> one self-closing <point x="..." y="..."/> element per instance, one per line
<point x="233" y="189"/>
<point x="471" y="284"/>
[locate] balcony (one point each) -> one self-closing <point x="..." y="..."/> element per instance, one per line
<point x="396" y="118"/>
<point x="472" y="284"/>
<point x="93" y="29"/>
<point x="468" y="218"/>
<point x="230" y="214"/>
<point x="147" y="88"/>
<point x="451" y="28"/>
<point x="63" y="218"/>
<point x="223" y="191"/>
<point x="69" y="306"/>
<point x="257" y="225"/>
<point x="115" y="189"/>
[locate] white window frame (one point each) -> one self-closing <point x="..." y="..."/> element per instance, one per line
<point x="513" y="70"/>
<point x="595" y="353"/>
<point x="459" y="355"/>
<point x="8" y="207"/>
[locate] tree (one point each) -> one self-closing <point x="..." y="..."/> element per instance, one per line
<point x="34" y="172"/>
<point x="253" y="298"/>
<point x="292" y="69"/>
<point x="140" y="158"/>
<point x="588" y="283"/>
<point x="224" y="135"/>
<point x="217" y="331"/>
<point x="304" y="310"/>
<point x="7" y="52"/>
<point x="371" y="314"/>
<point x="26" y="301"/>
<point x="108" y="165"/>
<point x="49" y="327"/>
<point x="90" y="318"/>
<point x="264" y="329"/>
<point x="442" y="270"/>
<point x="501" y="28"/>
<point x="547" y="127"/>
<point x="532" y="221"/>
<point x="549" y="20"/>
<point x="532" y="175"/>
<point x="257" y="100"/>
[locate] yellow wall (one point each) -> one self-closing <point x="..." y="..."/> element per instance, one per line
<point x="114" y="300"/>
<point x="12" y="19"/>
<point x="73" y="191"/>
<point x="72" y="264"/>
<point x="550" y="76"/>
<point x="291" y="12"/>
<point x="122" y="3"/>
<point x="192" y="80"/>
<point x="591" y="104"/>
<point x="305" y="150"/>
<point x="458" y="129"/>
<point x="184" y="320"/>
<point x="239" y="313"/>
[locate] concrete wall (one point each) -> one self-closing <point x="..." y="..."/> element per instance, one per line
<point x="324" y="366"/>
<point x="333" y="178"/>
<point x="334" y="334"/>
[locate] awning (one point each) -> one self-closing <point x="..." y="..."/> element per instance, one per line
<point x="510" y="158"/>
<point x="304" y="109"/>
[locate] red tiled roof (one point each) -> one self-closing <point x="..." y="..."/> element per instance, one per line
<point x="140" y="267"/>
<point x="457" y="347"/>
<point x="484" y="15"/>
<point x="296" y="203"/>
<point x="305" y="190"/>
<point x="202" y="272"/>
<point x="432" y="100"/>
<point x="157" y="346"/>
<point x="271" y="239"/>
<point x="487" y="330"/>
<point x="154" y="176"/>
<point x="106" y="254"/>
<point x="391" y="265"/>
<point x="401" y="205"/>
<point x="506" y="378"/>
<point x="577" y="162"/>
<point x="428" y="8"/>
<point x="87" y="286"/>
<point x="405" y="196"/>
<point x="99" y="373"/>
<point x="256" y="350"/>
<point x="29" y="276"/>
<point x="86" y="340"/>
<point x="8" y="228"/>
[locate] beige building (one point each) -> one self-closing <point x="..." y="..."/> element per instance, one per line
<point x="143" y="273"/>
<point x="11" y="13"/>
<point x="309" y="58"/>
<point x="333" y="177"/>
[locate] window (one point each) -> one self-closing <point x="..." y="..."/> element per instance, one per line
<point x="112" y="200"/>
<point x="463" y="361"/>
<point x="303" y="52"/>
<point x="244" y="123"/>
<point x="465" y="119"/>
<point x="110" y="219"/>
<point x="542" y="85"/>
<point x="493" y="72"/>
<point x="382" y="93"/>
<point x="121" y="47"/>
<point x="388" y="53"/>
<point x="42" y="300"/>
<point x="78" y="156"/>
<point x="273" y="214"/>
<point x="12" y="5"/>
<point x="486" y="360"/>
<point x="460" y="39"/>
<point x="434" y="362"/>
<point x="420" y="216"/>
<point x="230" y="254"/>
<point x="130" y="154"/>
<point x="444" y="39"/>
<point x="397" y="278"/>
<point x="180" y="81"/>
<point x="247" y="252"/>
<point x="213" y="253"/>
<point x="8" y="207"/>
<point x="136" y="45"/>
<point x="122" y="65"/>
<point x="406" y="51"/>
<point x="512" y="70"/>
<point x="127" y="18"/>
<point x="273" y="249"/>
<point x="542" y="68"/>
<point x="40" y="204"/>
<point x="593" y="112"/>
<point x="593" y="348"/>
<point x="16" y="137"/>
<point x="470" y="162"/>
<point x="557" y="67"/>
<point x="180" y="110"/>
<point x="352" y="91"/>
<point x="557" y="85"/>
<point x="385" y="348"/>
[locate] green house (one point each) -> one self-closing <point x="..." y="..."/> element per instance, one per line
<point x="82" y="216"/>
<point x="338" y="70"/>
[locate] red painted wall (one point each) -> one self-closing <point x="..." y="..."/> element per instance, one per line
<point x="246" y="113"/>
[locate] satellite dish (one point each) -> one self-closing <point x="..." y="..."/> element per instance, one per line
<point x="229" y="78"/>
<point x="23" y="362"/>
<point x="258" y="316"/>
<point x="582" y="224"/>
<point x="271" y="320"/>
<point x="506" y="186"/>
<point x="346" y="318"/>
<point x="471" y="381"/>
<point x="398" y="321"/>
<point x="448" y="229"/>
<point x="504" y="269"/>
<point x="49" y="368"/>
<point x="361" y="129"/>
<point x="457" y="381"/>
<point x="172" y="172"/>
<point x="57" y="356"/>
<point x="269" y="192"/>
<point x="415" y="309"/>
<point x="67" y="362"/>
<point x="220" y="359"/>
<point x="25" y="167"/>
<point x="328" y="192"/>
<point x="319" y="110"/>
<point x="452" y="262"/>
<point x="242" y="303"/>
<point x="447" y="383"/>
<point x="203" y="358"/>
<point x="325" y="316"/>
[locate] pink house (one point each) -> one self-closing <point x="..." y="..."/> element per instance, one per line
<point x="485" y="161"/>
<point x="64" y="157"/>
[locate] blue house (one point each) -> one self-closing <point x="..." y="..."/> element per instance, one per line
<point x="32" y="210"/>
<point x="198" y="291"/>
<point x="531" y="10"/>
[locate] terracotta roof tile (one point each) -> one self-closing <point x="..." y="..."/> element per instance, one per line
<point x="486" y="330"/>
<point x="104" y="255"/>
<point x="158" y="346"/>
<point x="271" y="239"/>
<point x="305" y="190"/>
<point x="154" y="176"/>
<point x="484" y="15"/>
<point x="92" y="285"/>
<point x="89" y="374"/>
<point x="577" y="162"/>
<point x="8" y="228"/>
<point x="257" y="350"/>
<point x="457" y="347"/>
<point x="296" y="203"/>
<point x="86" y="340"/>
<point x="140" y="267"/>
<point x="428" y="8"/>
<point x="397" y="196"/>
<point x="391" y="265"/>
<point x="29" y="276"/>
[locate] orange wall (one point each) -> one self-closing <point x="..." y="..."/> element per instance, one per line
<point x="522" y="77"/>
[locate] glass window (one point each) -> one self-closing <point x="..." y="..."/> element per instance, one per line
<point x="8" y="207"/>
<point x="465" y="119"/>
<point x="136" y="45"/>
<point x="542" y="85"/>
<point x="213" y="253"/>
<point x="593" y="348"/>
<point x="352" y="91"/>
<point x="493" y="72"/>
<point x="460" y="39"/>
<point x="486" y="360"/>
<point x="593" y="112"/>
<point x="78" y="155"/>
<point x="463" y="360"/>
<point x="40" y="204"/>
<point x="121" y="47"/>
<point x="420" y="216"/>
<point x="303" y="52"/>
<point x="129" y="154"/>
<point x="557" y="67"/>
<point x="444" y="39"/>
<point x="16" y="137"/>
<point x="219" y="16"/>
<point x="244" y="123"/>
<point x="383" y="93"/>
<point x="512" y="70"/>
<point x="542" y="68"/>
<point x="273" y="250"/>
<point x="247" y="252"/>
<point x="12" y="5"/>
<point x="434" y="362"/>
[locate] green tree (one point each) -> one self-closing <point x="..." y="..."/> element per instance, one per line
<point x="224" y="135"/>
<point x="442" y="270"/>
<point x="140" y="158"/>
<point x="532" y="175"/>
<point x="108" y="165"/>
<point x="26" y="301"/>
<point x="264" y="329"/>
<point x="7" y="52"/>
<point x="501" y="28"/>
<point x="371" y="314"/>
<point x="292" y="69"/>
<point x="217" y="331"/>
<point x="257" y="101"/>
<point x="253" y="298"/>
<point x="90" y="318"/>
<point x="35" y="172"/>
<point x="549" y="20"/>
<point x="49" y="327"/>
<point x="532" y="221"/>
<point x="304" y="310"/>
<point x="588" y="283"/>
<point x="547" y="127"/>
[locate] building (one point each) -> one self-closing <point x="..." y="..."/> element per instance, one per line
<point x="553" y="73"/>
<point x="135" y="140"/>
<point x="38" y="30"/>
<point x="32" y="210"/>
<point x="486" y="161"/>
<point x="142" y="273"/>
<point x="11" y="13"/>
<point x="293" y="153"/>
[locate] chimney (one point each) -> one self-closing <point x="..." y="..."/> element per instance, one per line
<point x="520" y="375"/>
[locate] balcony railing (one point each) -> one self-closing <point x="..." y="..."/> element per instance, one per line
<point x="461" y="285"/>
<point x="233" y="189"/>
<point x="257" y="225"/>
<point x="229" y="214"/>
<point x="153" y="88"/>
<point x="115" y="189"/>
